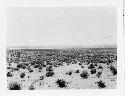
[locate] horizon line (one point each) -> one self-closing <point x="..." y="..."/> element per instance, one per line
<point x="65" y="46"/>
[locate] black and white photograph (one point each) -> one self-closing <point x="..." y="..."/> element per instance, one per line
<point x="61" y="48"/>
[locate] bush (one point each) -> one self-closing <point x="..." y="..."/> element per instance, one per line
<point x="14" y="86"/>
<point x="61" y="83"/>
<point x="84" y="74"/>
<point x="31" y="87"/>
<point x="113" y="70"/>
<point x="101" y="84"/>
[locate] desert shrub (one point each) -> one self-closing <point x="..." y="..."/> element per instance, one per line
<point x="84" y="75"/>
<point x="77" y="71"/>
<point x="74" y="61"/>
<point x="101" y="84"/>
<point x="113" y="70"/>
<point x="22" y="75"/>
<point x="9" y="74"/>
<point x="69" y="73"/>
<point x="91" y="66"/>
<point x="93" y="71"/>
<point x="49" y="68"/>
<point x="98" y="74"/>
<point x="31" y="87"/>
<point x="41" y="77"/>
<point x="49" y="73"/>
<point x="14" y="86"/>
<point x="61" y="83"/>
<point x="36" y="65"/>
<point x="23" y="66"/>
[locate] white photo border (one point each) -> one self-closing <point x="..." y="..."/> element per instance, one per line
<point x="62" y="3"/>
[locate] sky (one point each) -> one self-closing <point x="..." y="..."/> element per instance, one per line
<point x="61" y="26"/>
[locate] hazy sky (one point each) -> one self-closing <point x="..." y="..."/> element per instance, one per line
<point x="58" y="26"/>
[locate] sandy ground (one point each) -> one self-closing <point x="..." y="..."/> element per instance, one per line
<point x="73" y="81"/>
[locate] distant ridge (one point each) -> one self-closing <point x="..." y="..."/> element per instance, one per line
<point x="62" y="47"/>
<point x="105" y="46"/>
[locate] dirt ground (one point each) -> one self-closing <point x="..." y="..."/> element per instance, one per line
<point x="79" y="75"/>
